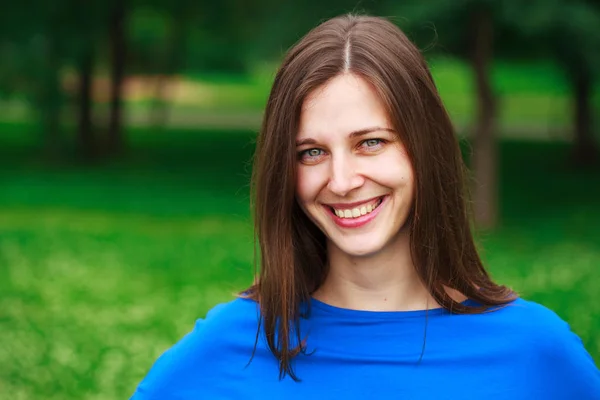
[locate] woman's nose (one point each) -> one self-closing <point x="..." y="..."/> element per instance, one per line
<point x="344" y="176"/>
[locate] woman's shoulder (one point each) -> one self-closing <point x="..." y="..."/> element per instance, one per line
<point x="531" y="318"/>
<point x="528" y="311"/>
<point x="224" y="325"/>
<point x="549" y="339"/>
<point x="224" y="337"/>
<point x="236" y="313"/>
<point x="538" y="329"/>
<point x="525" y="318"/>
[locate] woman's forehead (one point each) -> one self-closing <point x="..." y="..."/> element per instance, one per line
<point x="345" y="104"/>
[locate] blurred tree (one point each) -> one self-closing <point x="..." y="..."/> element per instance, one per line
<point x="46" y="46"/>
<point x="168" y="38"/>
<point x="119" y="12"/>
<point x="569" y="32"/>
<point x="479" y="31"/>
<point x="170" y="54"/>
<point x="40" y="49"/>
<point x="32" y="48"/>
<point x="293" y="21"/>
<point x="48" y="96"/>
<point x="465" y="29"/>
<point x="485" y="156"/>
<point x="85" y="129"/>
<point x="87" y="24"/>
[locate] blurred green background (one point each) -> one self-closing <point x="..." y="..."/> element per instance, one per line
<point x="127" y="130"/>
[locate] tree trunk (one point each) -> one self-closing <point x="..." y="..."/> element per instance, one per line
<point x="85" y="133"/>
<point x="159" y="110"/>
<point x="116" y="142"/>
<point x="585" y="152"/>
<point x="50" y="99"/>
<point x="484" y="161"/>
<point x="171" y="62"/>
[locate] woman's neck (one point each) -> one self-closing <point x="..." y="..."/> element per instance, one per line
<point x="385" y="281"/>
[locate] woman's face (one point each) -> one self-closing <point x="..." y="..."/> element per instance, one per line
<point x="355" y="180"/>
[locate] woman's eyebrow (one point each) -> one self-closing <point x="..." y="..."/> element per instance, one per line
<point x="361" y="132"/>
<point x="352" y="135"/>
<point x="305" y="141"/>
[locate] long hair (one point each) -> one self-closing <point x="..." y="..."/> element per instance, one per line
<point x="293" y="259"/>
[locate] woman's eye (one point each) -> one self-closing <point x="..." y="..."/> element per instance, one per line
<point x="372" y="144"/>
<point x="310" y="154"/>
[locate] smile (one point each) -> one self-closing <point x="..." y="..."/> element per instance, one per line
<point x="356" y="214"/>
<point x="357" y="211"/>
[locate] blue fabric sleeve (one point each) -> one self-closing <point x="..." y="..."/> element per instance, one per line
<point x="169" y="368"/>
<point x="181" y="363"/>
<point x="570" y="369"/>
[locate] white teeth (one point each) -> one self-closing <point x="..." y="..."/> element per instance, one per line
<point x="357" y="212"/>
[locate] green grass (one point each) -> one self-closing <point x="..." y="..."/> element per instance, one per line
<point x="106" y="266"/>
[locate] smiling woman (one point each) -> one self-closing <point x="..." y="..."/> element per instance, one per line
<point x="361" y="176"/>
<point x="370" y="284"/>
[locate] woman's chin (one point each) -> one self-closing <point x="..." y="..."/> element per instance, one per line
<point x="360" y="249"/>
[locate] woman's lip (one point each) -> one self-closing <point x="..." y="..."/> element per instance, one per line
<point x="358" y="221"/>
<point x="349" y="206"/>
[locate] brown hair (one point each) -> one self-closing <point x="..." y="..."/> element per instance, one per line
<point x="293" y="259"/>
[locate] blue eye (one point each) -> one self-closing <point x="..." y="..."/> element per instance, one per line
<point x="372" y="144"/>
<point x="310" y="154"/>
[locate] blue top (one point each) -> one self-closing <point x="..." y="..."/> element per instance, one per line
<point x="522" y="351"/>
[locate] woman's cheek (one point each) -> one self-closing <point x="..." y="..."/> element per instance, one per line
<point x="309" y="182"/>
<point x="302" y="183"/>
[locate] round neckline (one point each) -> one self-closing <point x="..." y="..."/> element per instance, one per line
<point x="348" y="312"/>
